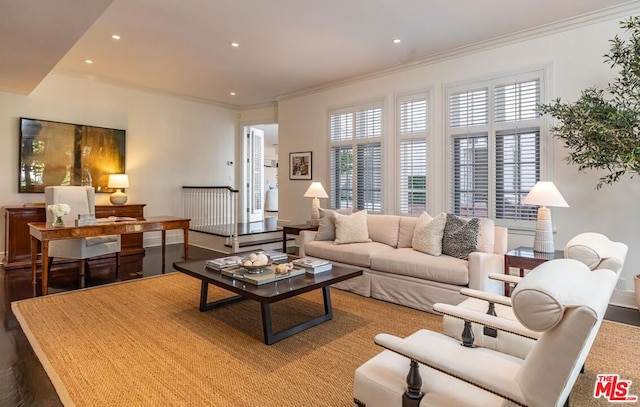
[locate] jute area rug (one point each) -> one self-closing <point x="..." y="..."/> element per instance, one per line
<point x="144" y="343"/>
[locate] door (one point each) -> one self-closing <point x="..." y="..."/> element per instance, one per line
<point x="255" y="172"/>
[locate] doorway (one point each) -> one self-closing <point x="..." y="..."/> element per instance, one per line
<point x="260" y="172"/>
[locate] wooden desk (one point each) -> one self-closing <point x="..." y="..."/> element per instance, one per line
<point x="43" y="233"/>
<point x="294" y="230"/>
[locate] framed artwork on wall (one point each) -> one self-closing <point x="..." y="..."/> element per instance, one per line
<point x="300" y="165"/>
<point x="55" y="153"/>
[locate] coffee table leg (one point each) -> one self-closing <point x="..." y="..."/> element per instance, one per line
<point x="206" y="306"/>
<point x="267" y="328"/>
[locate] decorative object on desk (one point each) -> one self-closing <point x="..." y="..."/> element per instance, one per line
<point x="59" y="210"/>
<point x="76" y="155"/>
<point x="267" y="276"/>
<point x="86" y="219"/>
<point x="119" y="182"/>
<point x="300" y="165"/>
<point x="284" y="268"/>
<point x="315" y="191"/>
<point x="544" y="193"/>
<point x="223" y="263"/>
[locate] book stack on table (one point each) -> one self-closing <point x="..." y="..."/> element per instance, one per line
<point x="313" y="265"/>
<point x="223" y="263"/>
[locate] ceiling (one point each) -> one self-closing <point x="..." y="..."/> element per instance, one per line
<point x="182" y="47"/>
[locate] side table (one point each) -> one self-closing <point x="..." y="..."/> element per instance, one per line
<point x="294" y="230"/>
<point x="526" y="258"/>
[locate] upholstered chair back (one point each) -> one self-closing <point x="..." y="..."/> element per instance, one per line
<point x="80" y="199"/>
<point x="597" y="251"/>
<point x="567" y="301"/>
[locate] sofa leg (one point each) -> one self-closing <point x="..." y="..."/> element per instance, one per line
<point x="358" y="403"/>
<point x="413" y="394"/>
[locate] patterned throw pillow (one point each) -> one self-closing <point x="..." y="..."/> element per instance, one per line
<point x="427" y="235"/>
<point x="327" y="227"/>
<point x="352" y="228"/>
<point x="460" y="236"/>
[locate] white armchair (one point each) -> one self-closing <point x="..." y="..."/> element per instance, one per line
<point x="561" y="299"/>
<point x="595" y="250"/>
<point x="82" y="201"/>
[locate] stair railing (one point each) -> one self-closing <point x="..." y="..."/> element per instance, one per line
<point x="213" y="208"/>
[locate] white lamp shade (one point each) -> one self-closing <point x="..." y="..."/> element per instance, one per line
<point x="546" y="194"/>
<point x="118" y="181"/>
<point x="316" y="191"/>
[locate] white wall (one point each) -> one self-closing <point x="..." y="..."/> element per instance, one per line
<point x="170" y="142"/>
<point x="574" y="58"/>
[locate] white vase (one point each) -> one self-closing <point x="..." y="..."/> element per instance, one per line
<point x="636" y="284"/>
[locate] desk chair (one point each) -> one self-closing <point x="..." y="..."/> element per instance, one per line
<point x="82" y="201"/>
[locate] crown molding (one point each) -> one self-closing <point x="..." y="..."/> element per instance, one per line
<point x="582" y="20"/>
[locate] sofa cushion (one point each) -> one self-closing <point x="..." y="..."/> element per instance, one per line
<point x="405" y="234"/>
<point x="460" y="236"/>
<point x="427" y="235"/>
<point x="384" y="228"/>
<point x="486" y="235"/>
<point x="327" y="227"/>
<point x="408" y="262"/>
<point x="352" y="228"/>
<point x="357" y="254"/>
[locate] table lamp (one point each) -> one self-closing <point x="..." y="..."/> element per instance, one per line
<point x="544" y="193"/>
<point x="315" y="191"/>
<point x="119" y="182"/>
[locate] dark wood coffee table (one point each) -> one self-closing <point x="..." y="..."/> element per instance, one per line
<point x="267" y="294"/>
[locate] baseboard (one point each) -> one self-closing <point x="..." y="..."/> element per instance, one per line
<point x="625" y="299"/>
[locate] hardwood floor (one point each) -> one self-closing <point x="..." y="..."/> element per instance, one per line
<point x="22" y="379"/>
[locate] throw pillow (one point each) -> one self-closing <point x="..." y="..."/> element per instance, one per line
<point x="352" y="228"/>
<point x="460" y="236"/>
<point x="327" y="226"/>
<point x="427" y="235"/>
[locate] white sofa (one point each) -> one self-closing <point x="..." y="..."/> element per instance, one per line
<point x="393" y="271"/>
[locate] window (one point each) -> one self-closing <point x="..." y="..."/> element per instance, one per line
<point x="495" y="144"/>
<point x="412" y="149"/>
<point x="356" y="157"/>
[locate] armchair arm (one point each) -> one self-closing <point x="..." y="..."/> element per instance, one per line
<point x="305" y="237"/>
<point x="507" y="278"/>
<point x="491" y="321"/>
<point x="480" y="266"/>
<point x="467" y="364"/>
<point x="489" y="297"/>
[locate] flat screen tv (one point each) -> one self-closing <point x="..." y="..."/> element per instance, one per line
<point x="55" y="153"/>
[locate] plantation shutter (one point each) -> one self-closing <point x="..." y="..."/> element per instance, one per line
<point x="369" y="185"/>
<point x="341" y="177"/>
<point x="356" y="157"/>
<point x="517" y="171"/>
<point x="517" y="147"/>
<point x="470" y="175"/>
<point x="413" y="154"/>
<point x="468" y="112"/>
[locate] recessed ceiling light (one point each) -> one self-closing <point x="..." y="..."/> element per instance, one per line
<point x="232" y="93"/>
<point x="235" y="44"/>
<point x="397" y="41"/>
<point x="115" y="36"/>
<point x="88" y="61"/>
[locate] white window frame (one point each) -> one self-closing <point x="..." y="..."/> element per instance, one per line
<point x="353" y="142"/>
<point x="417" y="135"/>
<point x="491" y="129"/>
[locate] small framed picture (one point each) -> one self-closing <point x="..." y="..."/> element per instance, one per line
<point x="300" y="165"/>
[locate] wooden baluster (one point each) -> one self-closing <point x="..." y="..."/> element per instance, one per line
<point x="467" y="335"/>
<point x="413" y="394"/>
<point x="492" y="332"/>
